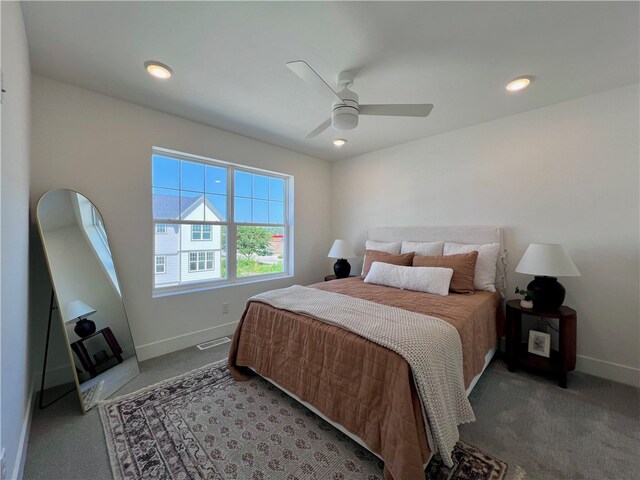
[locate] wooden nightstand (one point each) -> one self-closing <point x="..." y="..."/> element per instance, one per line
<point x="81" y="351"/>
<point x="561" y="361"/>
<point x="333" y="277"/>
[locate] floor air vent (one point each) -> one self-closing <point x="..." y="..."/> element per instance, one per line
<point x="213" y="343"/>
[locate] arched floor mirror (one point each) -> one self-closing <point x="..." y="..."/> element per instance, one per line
<point x="88" y="296"/>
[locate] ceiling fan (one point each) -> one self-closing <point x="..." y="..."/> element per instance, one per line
<point x="345" y="107"/>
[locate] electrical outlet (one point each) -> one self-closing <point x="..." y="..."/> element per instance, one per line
<point x="3" y="465"/>
<point x="225" y="308"/>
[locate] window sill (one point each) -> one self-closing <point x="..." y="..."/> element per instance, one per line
<point x="201" y="287"/>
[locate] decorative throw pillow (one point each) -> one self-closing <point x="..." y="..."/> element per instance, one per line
<point x="463" y="265"/>
<point x="420" y="279"/>
<point x="422" y="248"/>
<point x="485" y="274"/>
<point x="371" y="256"/>
<point x="388" y="247"/>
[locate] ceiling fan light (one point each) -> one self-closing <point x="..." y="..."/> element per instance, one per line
<point x="519" y="83"/>
<point x="345" y="121"/>
<point x="158" y="69"/>
<point x="338" y="142"/>
<point x="344" y="118"/>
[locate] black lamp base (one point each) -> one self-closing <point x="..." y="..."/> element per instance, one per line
<point x="84" y="327"/>
<point x="548" y="293"/>
<point x="341" y="268"/>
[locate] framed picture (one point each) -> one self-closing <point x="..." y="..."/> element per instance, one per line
<point x="539" y="343"/>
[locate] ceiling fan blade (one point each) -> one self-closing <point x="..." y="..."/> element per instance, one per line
<point x="309" y="75"/>
<point x="398" y="110"/>
<point x="323" y="126"/>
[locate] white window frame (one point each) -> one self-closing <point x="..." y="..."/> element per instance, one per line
<point x="207" y="256"/>
<point x="99" y="226"/>
<point x="164" y="264"/>
<point x="201" y="231"/>
<point x="161" y="226"/>
<point x="231" y="227"/>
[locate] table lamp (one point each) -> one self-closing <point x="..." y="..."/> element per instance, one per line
<point x="341" y="250"/>
<point x="547" y="261"/>
<point x="77" y="311"/>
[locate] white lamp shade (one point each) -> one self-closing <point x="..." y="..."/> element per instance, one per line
<point x="341" y="249"/>
<point x="76" y="309"/>
<point x="547" y="259"/>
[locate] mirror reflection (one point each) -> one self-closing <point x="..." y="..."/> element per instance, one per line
<point x="87" y="294"/>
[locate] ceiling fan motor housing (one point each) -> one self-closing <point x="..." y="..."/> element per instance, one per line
<point x="344" y="115"/>
<point x="346" y="106"/>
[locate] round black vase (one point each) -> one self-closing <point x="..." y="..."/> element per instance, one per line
<point x="341" y="268"/>
<point x="548" y="293"/>
<point x="84" y="327"/>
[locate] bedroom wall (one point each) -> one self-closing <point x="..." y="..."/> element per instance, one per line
<point x="15" y="380"/>
<point x="101" y="147"/>
<point x="567" y="173"/>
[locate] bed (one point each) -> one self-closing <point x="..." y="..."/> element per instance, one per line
<point x="360" y="387"/>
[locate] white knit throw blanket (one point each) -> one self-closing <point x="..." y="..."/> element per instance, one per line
<point x="430" y="345"/>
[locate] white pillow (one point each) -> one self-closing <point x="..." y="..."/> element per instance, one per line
<point x="485" y="275"/>
<point x="422" y="248"/>
<point x="434" y="280"/>
<point x="388" y="247"/>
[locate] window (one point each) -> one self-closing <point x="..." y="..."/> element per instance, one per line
<point x="200" y="261"/>
<point x="93" y="228"/>
<point x="200" y="232"/>
<point x="161" y="264"/>
<point x="218" y="223"/>
<point x="99" y="226"/>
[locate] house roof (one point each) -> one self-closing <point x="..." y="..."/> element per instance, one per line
<point x="168" y="206"/>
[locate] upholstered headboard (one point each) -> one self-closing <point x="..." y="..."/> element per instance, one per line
<point x="448" y="234"/>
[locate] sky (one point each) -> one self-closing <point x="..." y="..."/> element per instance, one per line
<point x="257" y="199"/>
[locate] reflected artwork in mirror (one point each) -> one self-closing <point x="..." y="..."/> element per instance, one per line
<point x="88" y="296"/>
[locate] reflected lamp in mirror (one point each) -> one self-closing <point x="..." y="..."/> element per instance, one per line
<point x="84" y="277"/>
<point x="341" y="250"/>
<point x="77" y="311"/>
<point x="546" y="262"/>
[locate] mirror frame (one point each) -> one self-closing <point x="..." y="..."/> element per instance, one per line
<point x="57" y="304"/>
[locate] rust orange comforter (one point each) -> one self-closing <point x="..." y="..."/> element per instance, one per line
<point x="365" y="387"/>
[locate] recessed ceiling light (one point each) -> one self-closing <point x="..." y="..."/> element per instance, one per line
<point x="158" y="69"/>
<point x="338" y="142"/>
<point x="519" y="83"/>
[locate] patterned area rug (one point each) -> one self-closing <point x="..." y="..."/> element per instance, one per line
<point x="204" y="425"/>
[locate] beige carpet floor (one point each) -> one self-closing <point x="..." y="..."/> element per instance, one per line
<point x="589" y="431"/>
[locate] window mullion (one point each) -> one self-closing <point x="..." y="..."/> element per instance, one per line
<point x="285" y="248"/>
<point x="289" y="230"/>
<point x="232" y="231"/>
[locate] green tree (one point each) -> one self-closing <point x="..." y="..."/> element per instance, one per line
<point x="254" y="241"/>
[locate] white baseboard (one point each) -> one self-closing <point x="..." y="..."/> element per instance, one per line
<point x="62" y="374"/>
<point x="21" y="456"/>
<point x="602" y="369"/>
<point x="609" y="370"/>
<point x="155" y="349"/>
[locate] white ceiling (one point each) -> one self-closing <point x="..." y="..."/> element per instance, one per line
<point x="229" y="60"/>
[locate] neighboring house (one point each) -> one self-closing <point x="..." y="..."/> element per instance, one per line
<point x="277" y="245"/>
<point x="186" y="253"/>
